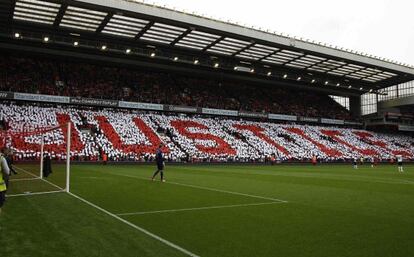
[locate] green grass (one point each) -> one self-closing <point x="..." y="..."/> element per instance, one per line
<point x="331" y="210"/>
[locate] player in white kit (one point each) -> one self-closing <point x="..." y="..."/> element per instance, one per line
<point x="400" y="163"/>
<point x="355" y="163"/>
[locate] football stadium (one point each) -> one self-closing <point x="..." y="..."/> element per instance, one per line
<point x="130" y="129"/>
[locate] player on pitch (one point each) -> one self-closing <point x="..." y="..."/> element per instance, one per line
<point x="400" y="163"/>
<point x="159" y="158"/>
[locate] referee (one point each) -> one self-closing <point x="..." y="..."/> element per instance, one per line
<point x="159" y="158"/>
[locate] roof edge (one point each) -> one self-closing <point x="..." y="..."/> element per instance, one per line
<point x="252" y="33"/>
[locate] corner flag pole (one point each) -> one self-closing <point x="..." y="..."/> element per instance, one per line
<point x="68" y="139"/>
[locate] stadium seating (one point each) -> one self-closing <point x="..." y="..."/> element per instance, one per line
<point x="128" y="135"/>
<point x="60" y="77"/>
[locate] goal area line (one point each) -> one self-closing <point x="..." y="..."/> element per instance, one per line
<point x="36" y="193"/>
<point x="198" y="208"/>
<point x="34" y="177"/>
<point x="136" y="227"/>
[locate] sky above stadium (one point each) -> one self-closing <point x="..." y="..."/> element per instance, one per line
<point x="379" y="27"/>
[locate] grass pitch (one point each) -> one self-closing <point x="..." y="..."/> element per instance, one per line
<point x="327" y="210"/>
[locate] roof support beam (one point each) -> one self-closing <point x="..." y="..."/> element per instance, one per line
<point x="213" y="43"/>
<point x="60" y="14"/>
<point x="184" y="34"/>
<point x="315" y="66"/>
<point x="144" y="29"/>
<point x="352" y="73"/>
<point x="270" y="54"/>
<point x="104" y="22"/>
<point x="12" y="5"/>
<point x="341" y="76"/>
<point x="294" y="59"/>
<point x="244" y="48"/>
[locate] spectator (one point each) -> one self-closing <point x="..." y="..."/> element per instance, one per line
<point x="125" y="135"/>
<point x="62" y="77"/>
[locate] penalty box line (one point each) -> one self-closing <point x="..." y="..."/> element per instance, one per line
<point x="146" y="232"/>
<point x="209" y="189"/>
<point x="197" y="208"/>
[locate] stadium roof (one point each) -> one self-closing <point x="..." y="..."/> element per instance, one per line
<point x="139" y="23"/>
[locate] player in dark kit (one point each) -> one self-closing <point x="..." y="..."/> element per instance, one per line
<point x="159" y="158"/>
<point x="355" y="163"/>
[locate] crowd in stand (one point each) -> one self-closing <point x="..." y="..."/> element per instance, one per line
<point x="130" y="135"/>
<point x="62" y="77"/>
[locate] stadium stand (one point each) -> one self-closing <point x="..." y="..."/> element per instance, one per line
<point x="134" y="136"/>
<point x="58" y="77"/>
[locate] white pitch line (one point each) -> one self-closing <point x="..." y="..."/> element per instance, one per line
<point x="23" y="179"/>
<point x="35" y="193"/>
<point x="50" y="183"/>
<point x="209" y="188"/>
<point x="408" y="181"/>
<point x="229" y="192"/>
<point x="197" y="208"/>
<point x="136" y="227"/>
<point x="27" y="172"/>
<point x="350" y="177"/>
<point x="162" y="240"/>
